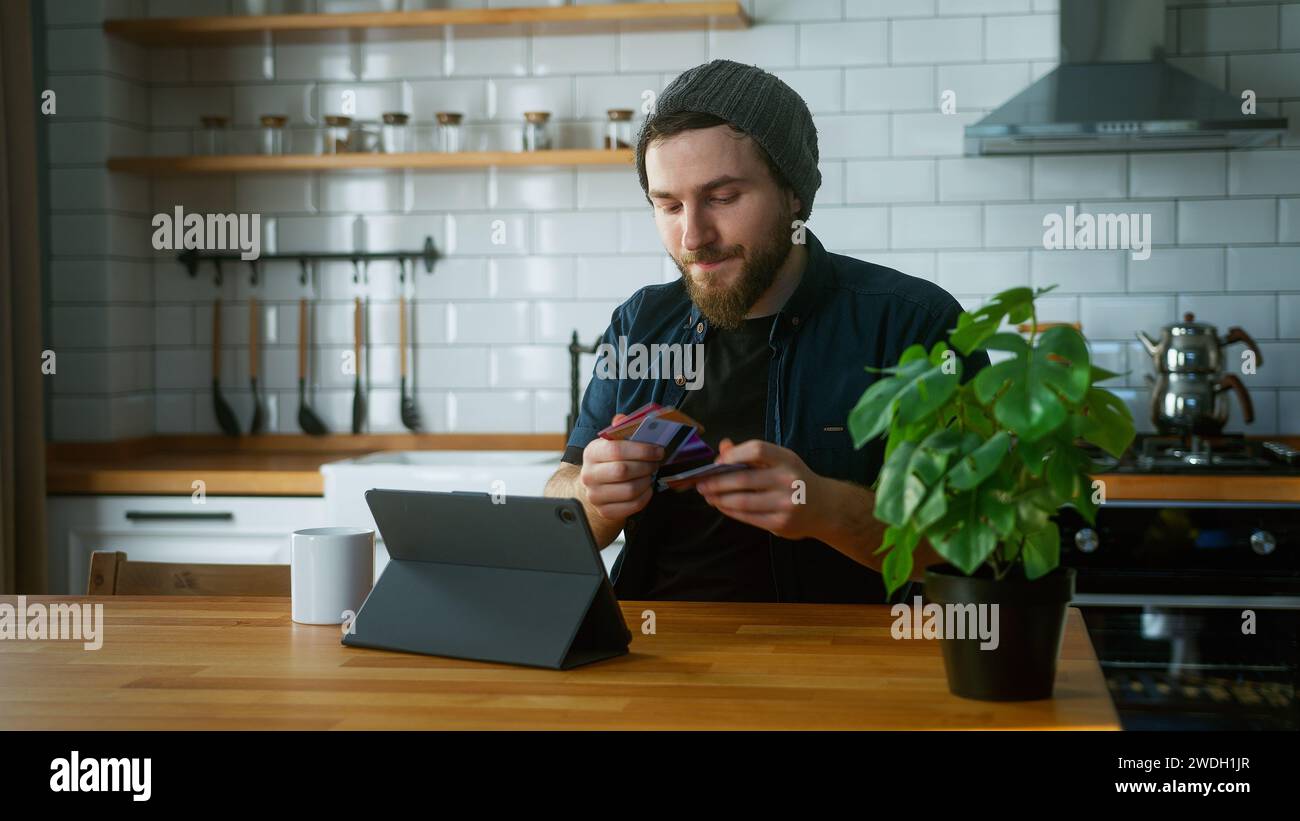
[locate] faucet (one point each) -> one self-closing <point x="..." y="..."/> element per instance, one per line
<point x="576" y="350"/>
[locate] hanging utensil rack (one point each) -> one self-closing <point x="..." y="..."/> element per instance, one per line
<point x="192" y="258"/>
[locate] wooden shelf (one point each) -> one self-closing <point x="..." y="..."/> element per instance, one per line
<point x="251" y="28"/>
<point x="259" y="163"/>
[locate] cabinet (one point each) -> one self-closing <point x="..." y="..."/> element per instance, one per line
<point x="221" y="530"/>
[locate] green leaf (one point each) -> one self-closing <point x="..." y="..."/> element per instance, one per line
<point x="1011" y="343"/>
<point x="1033" y="455"/>
<point x="1101" y="375"/>
<point x="932" y="509"/>
<point x="900" y="490"/>
<point x="973" y="328"/>
<point x="1107" y="422"/>
<point x="1034" y="509"/>
<point x="980" y="463"/>
<point x="1042" y="551"/>
<point x="1027" y="390"/>
<point x="1069" y="476"/>
<point x="962" y="537"/>
<point x="997" y="510"/>
<point x="875" y="408"/>
<point x="972" y="414"/>
<point x="904" y="537"/>
<point x="896" y="568"/>
<point x="936" y="353"/>
<point x="1067" y="471"/>
<point x="968" y="546"/>
<point x="909" y="473"/>
<point x="1084" y="504"/>
<point x="926" y="393"/>
<point x="1027" y="406"/>
<point x="913" y="353"/>
<point x="1064" y="346"/>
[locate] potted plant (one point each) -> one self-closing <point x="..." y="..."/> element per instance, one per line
<point x="978" y="470"/>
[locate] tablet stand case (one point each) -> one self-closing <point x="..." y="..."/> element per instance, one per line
<point x="520" y="582"/>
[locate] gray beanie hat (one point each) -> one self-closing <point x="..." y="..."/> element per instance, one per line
<point x="756" y="102"/>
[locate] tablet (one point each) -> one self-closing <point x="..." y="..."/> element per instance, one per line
<point x="511" y="579"/>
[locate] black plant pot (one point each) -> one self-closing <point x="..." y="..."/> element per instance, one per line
<point x="1030" y="625"/>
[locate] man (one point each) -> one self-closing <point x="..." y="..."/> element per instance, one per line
<point x="728" y="161"/>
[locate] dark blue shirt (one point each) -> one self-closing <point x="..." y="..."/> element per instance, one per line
<point x="844" y="315"/>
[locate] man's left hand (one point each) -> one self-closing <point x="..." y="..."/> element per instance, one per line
<point x="779" y="493"/>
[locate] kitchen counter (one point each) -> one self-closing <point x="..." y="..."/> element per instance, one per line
<point x="1187" y="487"/>
<point x="289" y="465"/>
<point x="271" y="465"/>
<point x="242" y="663"/>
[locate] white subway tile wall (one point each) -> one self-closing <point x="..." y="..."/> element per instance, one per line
<point x="531" y="255"/>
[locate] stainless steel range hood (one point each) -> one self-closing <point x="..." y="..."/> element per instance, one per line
<point x="1114" y="92"/>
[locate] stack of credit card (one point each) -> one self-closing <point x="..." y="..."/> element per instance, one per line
<point x="679" y="436"/>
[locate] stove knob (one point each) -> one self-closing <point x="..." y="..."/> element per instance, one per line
<point x="1262" y="542"/>
<point x="1086" y="540"/>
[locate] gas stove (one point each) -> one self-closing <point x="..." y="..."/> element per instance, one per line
<point x="1202" y="454"/>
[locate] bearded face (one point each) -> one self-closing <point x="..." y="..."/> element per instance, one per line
<point x="722" y="217"/>
<point x="724" y="299"/>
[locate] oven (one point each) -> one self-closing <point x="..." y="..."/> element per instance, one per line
<point x="1193" y="609"/>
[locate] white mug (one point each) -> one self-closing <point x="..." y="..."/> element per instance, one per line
<point x="331" y="570"/>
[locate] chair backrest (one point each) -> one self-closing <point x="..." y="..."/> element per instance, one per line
<point x="111" y="574"/>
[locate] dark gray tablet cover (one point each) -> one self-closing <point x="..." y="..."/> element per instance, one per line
<point x="519" y="582"/>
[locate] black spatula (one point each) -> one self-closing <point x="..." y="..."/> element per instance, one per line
<point x="307" y="418"/>
<point x="225" y="415"/>
<point x="410" y="413"/>
<point x="259" y="419"/>
<point x="358" y="398"/>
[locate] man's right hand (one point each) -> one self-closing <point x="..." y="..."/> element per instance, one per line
<point x="617" y="476"/>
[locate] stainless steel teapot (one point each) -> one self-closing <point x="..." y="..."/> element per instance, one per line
<point x="1196" y="403"/>
<point x="1189" y="395"/>
<point x="1194" y="347"/>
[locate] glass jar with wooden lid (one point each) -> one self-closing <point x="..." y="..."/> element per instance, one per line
<point x="393" y="133"/>
<point x="447" y="138"/>
<point x="618" y="131"/>
<point x="337" y="135"/>
<point x="273" y="136"/>
<point x="536" y="134"/>
<point x="210" y="139"/>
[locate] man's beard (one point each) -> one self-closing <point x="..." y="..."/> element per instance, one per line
<point x="727" y="308"/>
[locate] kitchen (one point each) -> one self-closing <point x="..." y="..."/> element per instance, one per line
<point x="285" y="252"/>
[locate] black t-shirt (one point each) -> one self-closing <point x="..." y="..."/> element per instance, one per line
<point x="701" y="554"/>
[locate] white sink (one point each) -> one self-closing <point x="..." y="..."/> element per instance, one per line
<point x="512" y="472"/>
<point x="460" y="459"/>
<point x="518" y="472"/>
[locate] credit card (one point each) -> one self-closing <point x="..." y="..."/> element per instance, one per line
<point x="692" y="449"/>
<point x="625" y="427"/>
<point x="658" y="431"/>
<point x="630" y="427"/>
<point x="690" y="478"/>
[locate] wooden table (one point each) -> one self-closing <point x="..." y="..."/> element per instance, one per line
<point x="235" y="663"/>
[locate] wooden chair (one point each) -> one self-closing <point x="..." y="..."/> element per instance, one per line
<point x="111" y="574"/>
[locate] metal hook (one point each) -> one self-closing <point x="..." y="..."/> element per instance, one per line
<point x="252" y="277"/>
<point x="302" y="276"/>
<point x="216" y="262"/>
<point x="356" y="271"/>
<point x="190" y="259"/>
<point x="430" y="254"/>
